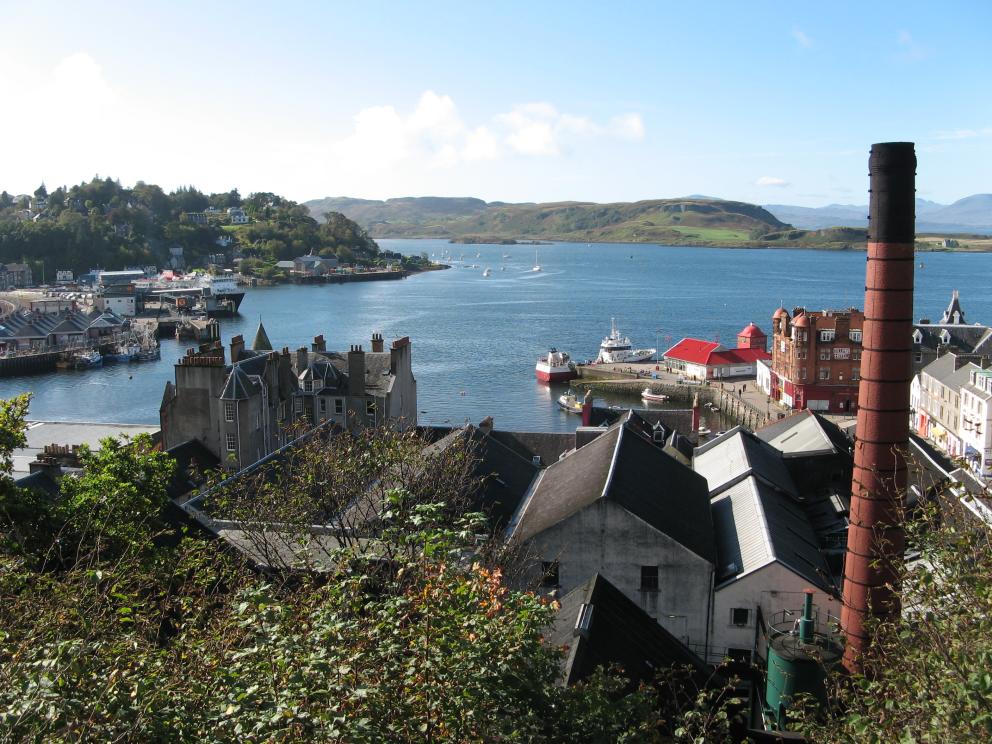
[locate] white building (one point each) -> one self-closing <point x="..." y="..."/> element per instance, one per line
<point x="763" y="375"/>
<point x="768" y="553"/>
<point x="237" y="216"/>
<point x="976" y="420"/>
<point x="935" y="396"/>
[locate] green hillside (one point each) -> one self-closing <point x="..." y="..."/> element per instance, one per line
<point x="673" y="221"/>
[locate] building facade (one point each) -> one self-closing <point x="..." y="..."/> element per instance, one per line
<point x="241" y="411"/>
<point x="816" y="359"/>
<point x="951" y="334"/>
<point x="708" y="360"/>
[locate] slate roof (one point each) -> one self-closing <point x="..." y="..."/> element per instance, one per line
<point x="40" y="482"/>
<point x="549" y="446"/>
<point x="965" y="338"/>
<point x="737" y="454"/>
<point x="756" y="525"/>
<point x="377" y="366"/>
<point x="261" y="342"/>
<point x="614" y="631"/>
<point x="238" y="386"/>
<point x="29" y="324"/>
<point x="622" y="466"/>
<point x="945" y="370"/>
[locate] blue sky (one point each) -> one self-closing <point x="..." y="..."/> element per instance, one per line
<point x="764" y="102"/>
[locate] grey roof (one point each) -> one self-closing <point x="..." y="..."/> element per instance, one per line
<point x="238" y="386"/>
<point x="601" y="627"/>
<point x="954" y="312"/>
<point x="626" y="468"/>
<point x="756" y="525"/>
<point x="33" y="324"/>
<point x="964" y="338"/>
<point x="803" y="433"/>
<point x="261" y="342"/>
<point x="548" y="446"/>
<point x="377" y="366"/>
<point x="738" y="454"/>
<point x="40" y="482"/>
<point x="949" y="371"/>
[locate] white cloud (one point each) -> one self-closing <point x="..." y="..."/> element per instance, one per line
<point x="435" y="134"/>
<point x="771" y="181"/>
<point x="801" y="38"/>
<point x="911" y="50"/>
<point x="959" y="134"/>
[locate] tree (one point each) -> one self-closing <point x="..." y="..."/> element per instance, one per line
<point x="931" y="679"/>
<point x="41" y="191"/>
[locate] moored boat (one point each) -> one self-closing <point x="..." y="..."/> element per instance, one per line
<point x="87" y="359"/>
<point x="652" y="397"/>
<point x="569" y="403"/>
<point x="555" y="366"/>
<point x="617" y="349"/>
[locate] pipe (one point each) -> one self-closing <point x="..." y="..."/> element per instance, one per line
<point x="875" y="537"/>
<point x="806" y="622"/>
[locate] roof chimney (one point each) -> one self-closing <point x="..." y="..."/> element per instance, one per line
<point x="875" y="538"/>
<point x="377" y="342"/>
<point x="318" y="343"/>
<point x="237" y="346"/>
<point x="302" y="360"/>
<point x="356" y="371"/>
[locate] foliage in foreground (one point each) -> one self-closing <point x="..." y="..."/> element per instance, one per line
<point x="114" y="628"/>
<point x="932" y="680"/>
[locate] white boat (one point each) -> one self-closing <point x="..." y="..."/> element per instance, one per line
<point x="617" y="349"/>
<point x="87" y="359"/>
<point x="487" y="272"/>
<point x="653" y="397"/>
<point x="569" y="403"/>
<point x="537" y="266"/>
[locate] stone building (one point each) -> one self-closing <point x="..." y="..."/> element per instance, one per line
<point x="951" y="334"/>
<point x="241" y="411"/>
<point x="621" y="507"/>
<point x="816" y="359"/>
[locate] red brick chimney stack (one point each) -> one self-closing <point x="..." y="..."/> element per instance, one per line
<point x="875" y="538"/>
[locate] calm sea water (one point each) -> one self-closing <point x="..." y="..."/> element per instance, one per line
<point x="475" y="339"/>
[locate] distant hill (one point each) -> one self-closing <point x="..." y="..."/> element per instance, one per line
<point x="699" y="221"/>
<point x="971" y="214"/>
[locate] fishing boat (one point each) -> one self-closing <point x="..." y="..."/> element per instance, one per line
<point x="652" y="397"/>
<point x="569" y="403"/>
<point x="555" y="366"/>
<point x="87" y="359"/>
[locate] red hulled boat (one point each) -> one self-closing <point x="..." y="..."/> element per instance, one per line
<point x="555" y="367"/>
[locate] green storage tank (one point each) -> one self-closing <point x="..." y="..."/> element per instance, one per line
<point x="798" y="661"/>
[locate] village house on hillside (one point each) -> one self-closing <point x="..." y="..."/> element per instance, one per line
<point x="240" y="411"/>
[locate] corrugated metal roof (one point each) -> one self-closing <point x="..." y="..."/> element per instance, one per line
<point x="800" y="433"/>
<point x="755" y="525"/>
<point x="739" y="453"/>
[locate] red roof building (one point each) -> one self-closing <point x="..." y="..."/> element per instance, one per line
<point x="708" y="360"/>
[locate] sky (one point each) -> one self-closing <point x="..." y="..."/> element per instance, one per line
<point x="765" y="102"/>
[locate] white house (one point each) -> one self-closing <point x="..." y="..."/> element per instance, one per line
<point x="237" y="216"/>
<point x="976" y="420"/>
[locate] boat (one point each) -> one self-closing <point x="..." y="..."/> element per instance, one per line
<point x="617" y="349"/>
<point x="487" y="272"/>
<point x="569" y="403"/>
<point x="537" y="266"/>
<point x="506" y="256"/>
<point x="652" y="397"/>
<point x="502" y="268"/>
<point x="124" y="352"/>
<point x="555" y="366"/>
<point x="87" y="359"/>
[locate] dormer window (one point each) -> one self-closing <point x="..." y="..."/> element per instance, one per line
<point x="917" y="336"/>
<point x="945" y="336"/>
<point x="308" y="386"/>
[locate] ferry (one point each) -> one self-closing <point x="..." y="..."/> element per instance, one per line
<point x="555" y="366"/>
<point x="617" y="349"/>
<point x="650" y="396"/>
<point x="218" y="296"/>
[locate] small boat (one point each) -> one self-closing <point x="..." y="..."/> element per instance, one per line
<point x="703" y="430"/>
<point x="537" y="266"/>
<point x="652" y="397"/>
<point x="569" y="403"/>
<point x="555" y="366"/>
<point x="502" y="268"/>
<point x="87" y="359"/>
<point x="487" y="272"/>
<point x="506" y="256"/>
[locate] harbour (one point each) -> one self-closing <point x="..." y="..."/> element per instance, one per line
<point x="475" y="339"/>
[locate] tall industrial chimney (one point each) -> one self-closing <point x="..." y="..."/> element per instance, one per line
<point x="875" y="538"/>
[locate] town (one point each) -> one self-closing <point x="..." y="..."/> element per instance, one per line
<point x="750" y="556"/>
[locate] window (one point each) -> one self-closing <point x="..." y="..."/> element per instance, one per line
<point x="801" y="354"/>
<point x="802" y="374"/>
<point x="855" y="335"/>
<point x="824" y="373"/>
<point x="740" y="616"/>
<point x="549" y="574"/>
<point x="229" y="411"/>
<point x="856" y="354"/>
<point x="827" y="336"/>
<point x="649" y="578"/>
<point x="855" y="373"/>
<point x="781" y="346"/>
<point x="338" y="405"/>
<point x="918" y="357"/>
<point x="308" y="386"/>
<point x="824" y="355"/>
<point x="323" y="405"/>
<point x="299" y="405"/>
<point x="232" y="442"/>
<point x="370" y="407"/>
<point x="742" y="655"/>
